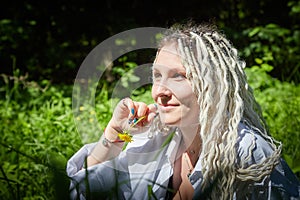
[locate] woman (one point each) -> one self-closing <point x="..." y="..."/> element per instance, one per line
<point x="204" y="138"/>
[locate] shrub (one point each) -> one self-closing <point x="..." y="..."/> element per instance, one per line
<point x="280" y="103"/>
<point x="38" y="135"/>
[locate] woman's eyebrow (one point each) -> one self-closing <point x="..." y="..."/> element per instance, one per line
<point x="155" y="67"/>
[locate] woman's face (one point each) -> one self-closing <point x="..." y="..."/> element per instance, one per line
<point x="177" y="103"/>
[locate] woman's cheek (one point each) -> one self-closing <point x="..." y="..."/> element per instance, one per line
<point x="182" y="91"/>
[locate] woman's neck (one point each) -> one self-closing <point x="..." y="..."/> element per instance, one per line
<point x="191" y="142"/>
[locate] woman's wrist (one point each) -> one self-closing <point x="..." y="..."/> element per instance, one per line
<point x="107" y="140"/>
<point x="108" y="147"/>
<point x="111" y="131"/>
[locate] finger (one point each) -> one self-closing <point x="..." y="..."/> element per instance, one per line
<point x="152" y="112"/>
<point x="153" y="108"/>
<point x="142" y="109"/>
<point x="127" y="102"/>
<point x="151" y="117"/>
<point x="141" y="113"/>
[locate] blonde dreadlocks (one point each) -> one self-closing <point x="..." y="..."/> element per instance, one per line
<point x="225" y="99"/>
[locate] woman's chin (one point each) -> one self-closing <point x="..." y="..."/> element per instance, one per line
<point x="170" y="122"/>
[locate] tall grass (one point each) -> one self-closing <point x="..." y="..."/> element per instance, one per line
<point x="38" y="135"/>
<point x="39" y="131"/>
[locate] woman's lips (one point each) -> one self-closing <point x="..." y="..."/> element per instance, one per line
<point x="167" y="107"/>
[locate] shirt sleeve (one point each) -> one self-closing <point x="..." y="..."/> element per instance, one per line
<point x="281" y="184"/>
<point x="76" y="162"/>
<point x="95" y="182"/>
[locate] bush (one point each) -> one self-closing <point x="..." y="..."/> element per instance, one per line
<point x="280" y="103"/>
<point x="276" y="46"/>
<point x="38" y="135"/>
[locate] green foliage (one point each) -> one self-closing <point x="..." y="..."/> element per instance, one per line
<point x="41" y="127"/>
<point x="92" y="111"/>
<point x="40" y="131"/>
<point x="276" y="46"/>
<point x="37" y="137"/>
<point x="143" y="95"/>
<point x="295" y="8"/>
<point x="280" y="102"/>
<point x="50" y="39"/>
<point x="124" y="71"/>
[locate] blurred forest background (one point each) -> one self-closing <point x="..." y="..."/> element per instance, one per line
<point x="43" y="43"/>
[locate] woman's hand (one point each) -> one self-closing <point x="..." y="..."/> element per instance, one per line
<point x="125" y="118"/>
<point x="128" y="112"/>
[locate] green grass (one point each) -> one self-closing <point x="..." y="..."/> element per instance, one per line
<point x="38" y="135"/>
<point x="39" y="131"/>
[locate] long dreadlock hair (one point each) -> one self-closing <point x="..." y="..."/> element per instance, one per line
<point x="225" y="99"/>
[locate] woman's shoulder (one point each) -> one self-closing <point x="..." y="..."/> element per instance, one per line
<point x="252" y="147"/>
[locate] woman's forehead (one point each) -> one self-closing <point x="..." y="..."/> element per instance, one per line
<point x="167" y="53"/>
<point x="169" y="57"/>
<point x="170" y="48"/>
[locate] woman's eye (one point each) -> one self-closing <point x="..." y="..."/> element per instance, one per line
<point x="156" y="75"/>
<point x="179" y="75"/>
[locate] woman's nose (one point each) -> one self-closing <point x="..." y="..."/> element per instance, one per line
<point x="163" y="90"/>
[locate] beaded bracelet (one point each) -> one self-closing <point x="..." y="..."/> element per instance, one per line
<point x="106" y="141"/>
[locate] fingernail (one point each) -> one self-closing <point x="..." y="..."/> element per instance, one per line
<point x="132" y="111"/>
<point x="135" y="120"/>
<point x="130" y="121"/>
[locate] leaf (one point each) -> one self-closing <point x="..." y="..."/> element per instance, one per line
<point x="130" y="64"/>
<point x="134" y="78"/>
<point x="254" y="31"/>
<point x="258" y="61"/>
<point x="266" y="67"/>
